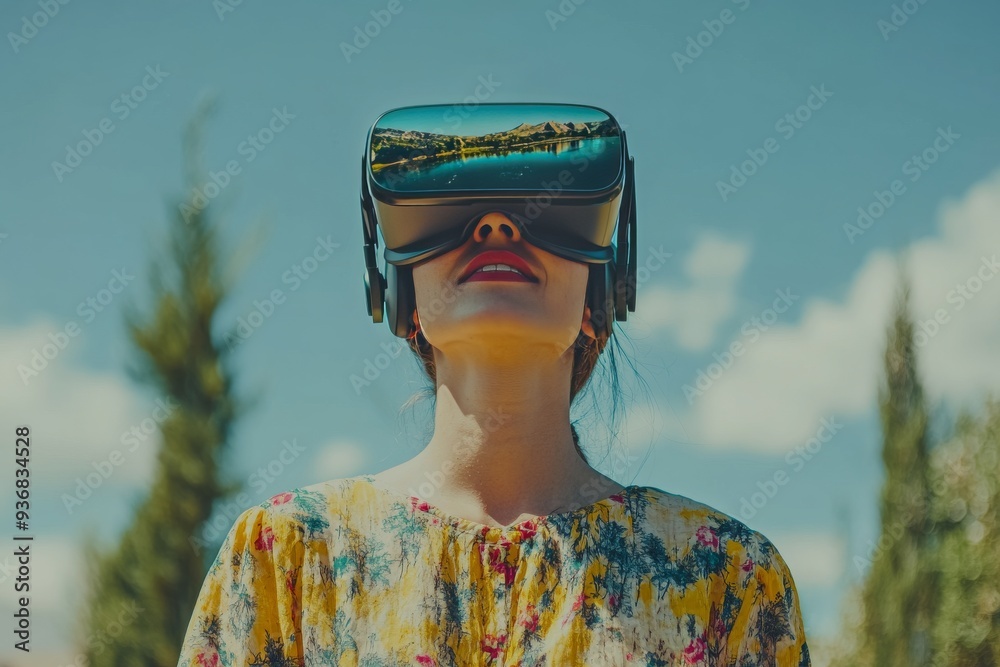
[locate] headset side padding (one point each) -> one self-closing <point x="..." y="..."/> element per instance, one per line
<point x="400" y="300"/>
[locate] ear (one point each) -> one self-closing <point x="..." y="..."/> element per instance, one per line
<point x="586" y="325"/>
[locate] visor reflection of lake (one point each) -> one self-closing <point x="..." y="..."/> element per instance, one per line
<point x="592" y="164"/>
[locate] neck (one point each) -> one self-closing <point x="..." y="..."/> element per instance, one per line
<point x="502" y="433"/>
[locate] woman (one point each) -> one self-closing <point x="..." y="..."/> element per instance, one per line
<point x="516" y="551"/>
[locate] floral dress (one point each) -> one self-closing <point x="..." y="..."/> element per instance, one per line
<point x="347" y="573"/>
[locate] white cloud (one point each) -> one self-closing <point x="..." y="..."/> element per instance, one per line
<point x="340" y="458"/>
<point x="55" y="595"/>
<point x="814" y="559"/>
<point x="77" y="417"/>
<point x="774" y="395"/>
<point x="693" y="313"/>
<point x="716" y="259"/>
<point x="961" y="360"/>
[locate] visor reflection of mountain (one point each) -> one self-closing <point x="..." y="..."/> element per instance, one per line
<point x="410" y="150"/>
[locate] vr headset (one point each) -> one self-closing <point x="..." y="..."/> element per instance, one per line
<point x="560" y="172"/>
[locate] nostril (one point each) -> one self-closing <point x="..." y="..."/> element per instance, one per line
<point x="507" y="227"/>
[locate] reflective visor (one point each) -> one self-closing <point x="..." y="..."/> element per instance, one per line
<point x="495" y="149"/>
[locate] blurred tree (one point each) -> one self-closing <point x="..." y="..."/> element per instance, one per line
<point x="844" y="650"/>
<point x="143" y="591"/>
<point x="898" y="597"/>
<point x="899" y="593"/>
<point x="965" y="478"/>
<point x="932" y="593"/>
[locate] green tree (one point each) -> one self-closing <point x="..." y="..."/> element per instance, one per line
<point x="899" y="592"/>
<point x="899" y="595"/>
<point x="143" y="590"/>
<point x="932" y="595"/>
<point x="965" y="478"/>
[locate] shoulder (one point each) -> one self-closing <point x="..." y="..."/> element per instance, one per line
<point x="752" y="598"/>
<point x="689" y="526"/>
<point x="300" y="514"/>
<point x="741" y="576"/>
<point x="310" y="510"/>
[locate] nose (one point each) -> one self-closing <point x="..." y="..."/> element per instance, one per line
<point x="496" y="221"/>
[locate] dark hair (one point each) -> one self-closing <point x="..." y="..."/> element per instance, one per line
<point x="586" y="354"/>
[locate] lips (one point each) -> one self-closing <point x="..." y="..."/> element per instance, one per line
<point x="498" y="257"/>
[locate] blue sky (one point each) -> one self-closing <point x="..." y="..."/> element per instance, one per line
<point x="463" y="119"/>
<point x="759" y="131"/>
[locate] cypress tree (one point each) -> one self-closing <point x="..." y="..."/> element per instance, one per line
<point x="898" y="596"/>
<point x="143" y="590"/>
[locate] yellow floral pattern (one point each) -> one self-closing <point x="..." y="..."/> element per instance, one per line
<point x="345" y="573"/>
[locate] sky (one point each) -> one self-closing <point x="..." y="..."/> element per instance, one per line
<point x="464" y="120"/>
<point x="789" y="158"/>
